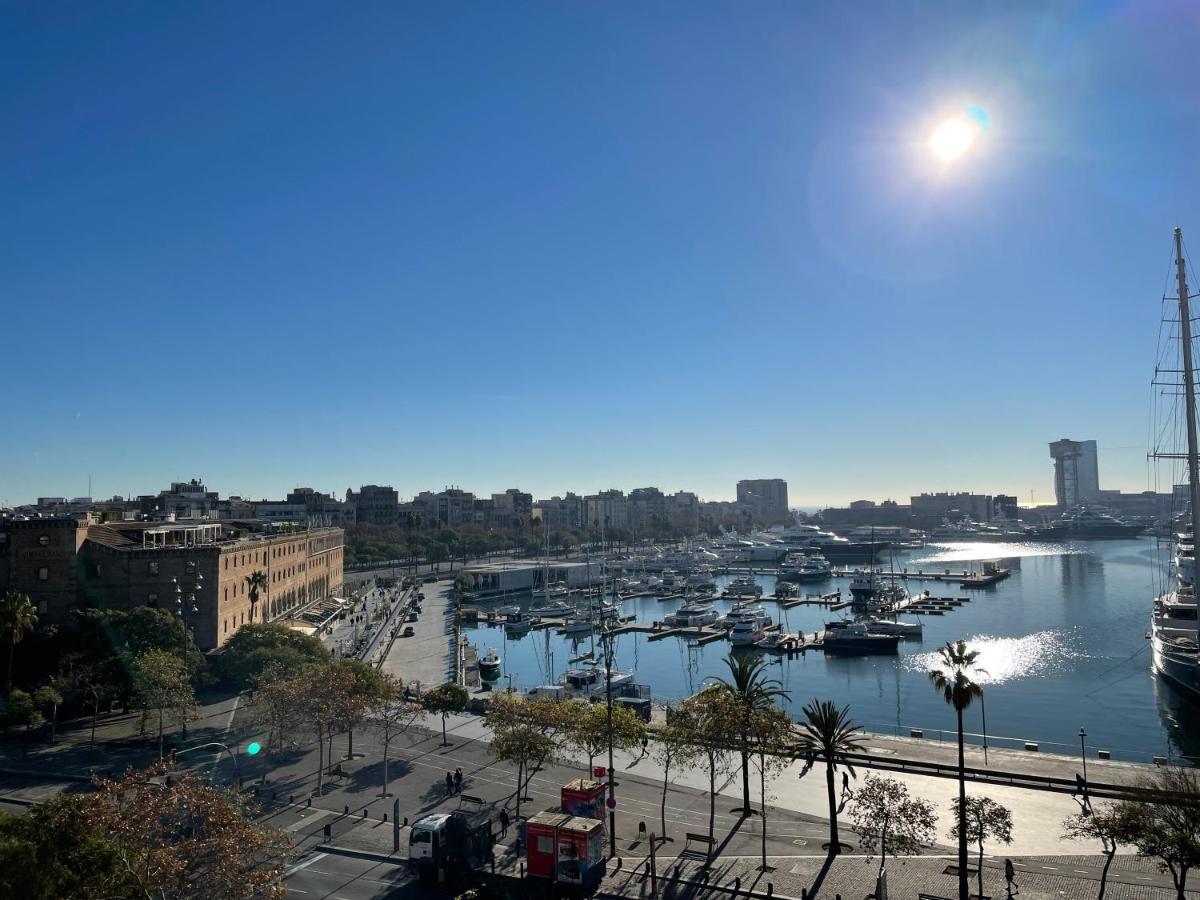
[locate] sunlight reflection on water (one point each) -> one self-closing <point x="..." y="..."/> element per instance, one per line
<point x="1003" y="659"/>
<point x="962" y="551"/>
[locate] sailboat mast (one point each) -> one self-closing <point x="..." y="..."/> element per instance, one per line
<point x="1189" y="379"/>
<point x="1189" y="388"/>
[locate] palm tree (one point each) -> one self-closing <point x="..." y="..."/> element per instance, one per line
<point x="959" y="691"/>
<point x="255" y="581"/>
<point x="829" y="733"/>
<point x="754" y="692"/>
<point x="17" y="618"/>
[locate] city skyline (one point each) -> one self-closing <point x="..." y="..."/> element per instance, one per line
<point x="322" y="254"/>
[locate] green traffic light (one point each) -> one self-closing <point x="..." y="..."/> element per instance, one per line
<point x="253" y="748"/>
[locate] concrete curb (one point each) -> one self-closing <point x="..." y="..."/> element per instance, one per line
<point x="362" y="854"/>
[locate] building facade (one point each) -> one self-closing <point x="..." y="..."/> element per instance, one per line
<point x="1076" y="472"/>
<point x="194" y="569"/>
<point x="375" y="504"/>
<point x="765" y="498"/>
<point x="607" y="509"/>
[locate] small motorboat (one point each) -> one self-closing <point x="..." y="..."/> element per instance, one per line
<point x="489" y="665"/>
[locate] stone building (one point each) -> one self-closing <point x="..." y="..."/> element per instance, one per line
<point x="198" y="569"/>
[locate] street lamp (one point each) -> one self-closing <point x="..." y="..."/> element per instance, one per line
<point x="606" y="637"/>
<point x="1083" y="755"/>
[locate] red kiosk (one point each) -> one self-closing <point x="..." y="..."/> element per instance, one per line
<point x="584" y="797"/>
<point x="565" y="849"/>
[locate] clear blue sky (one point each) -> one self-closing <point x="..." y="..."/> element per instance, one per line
<point x="579" y="245"/>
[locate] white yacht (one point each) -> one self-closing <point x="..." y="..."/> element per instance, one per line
<point x="577" y="626"/>
<point x="746" y="633"/>
<point x="489" y="665"/>
<point x="591" y="681"/>
<point x="553" y="610"/>
<point x="691" y="615"/>
<point x="744" y="587"/>
<point x="751" y="614"/>
<point x="804" y="568"/>
<point x="856" y="638"/>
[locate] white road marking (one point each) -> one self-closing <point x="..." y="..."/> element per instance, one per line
<point x="304" y="865"/>
<point x="232" y="713"/>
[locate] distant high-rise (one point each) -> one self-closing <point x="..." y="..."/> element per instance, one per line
<point x="1076" y="471"/>
<point x="766" y="498"/>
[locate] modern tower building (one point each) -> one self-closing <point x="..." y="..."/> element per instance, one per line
<point x="767" y="498"/>
<point x="1076" y="472"/>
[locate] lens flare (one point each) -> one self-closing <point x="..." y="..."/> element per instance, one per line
<point x="952" y="139"/>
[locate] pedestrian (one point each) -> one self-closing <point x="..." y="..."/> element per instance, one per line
<point x="1010" y="879"/>
<point x="449" y="783"/>
<point x="458" y="781"/>
<point x="503" y="822"/>
<point x="645" y="747"/>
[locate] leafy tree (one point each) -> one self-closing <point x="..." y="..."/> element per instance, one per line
<point x="324" y="694"/>
<point x="673" y="750"/>
<point x="1105" y="824"/>
<point x="985" y="819"/>
<point x="828" y="732"/>
<point x="771" y="737"/>
<point x="463" y="583"/>
<point x="526" y="732"/>
<point x="366" y="685"/>
<point x="181" y="838"/>
<point x="1164" y="823"/>
<point x="279" y="706"/>
<point x="958" y="690"/>
<point x="256" y="581"/>
<point x="258" y="647"/>
<point x="713" y="716"/>
<point x="446" y="699"/>
<point x="20" y="711"/>
<point x="588" y="731"/>
<point x="162" y="684"/>
<point x="753" y="692"/>
<point x="47" y="699"/>
<point x="50" y="852"/>
<point x="392" y="714"/>
<point x="17" y="618"/>
<point x="886" y="818"/>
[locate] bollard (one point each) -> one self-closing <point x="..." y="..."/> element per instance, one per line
<point x="310" y="802"/>
<point x="737" y="885"/>
<point x="676" y="871"/>
<point x="406" y="821"/>
<point x="384" y="819"/>
<point x="771" y="889"/>
<point x="364" y="812"/>
<point x="328" y="832"/>
<point x="291" y="798"/>
<point x="803" y="893"/>
<point x="346" y="810"/>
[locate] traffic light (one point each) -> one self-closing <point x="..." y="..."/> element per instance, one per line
<point x="252" y="748"/>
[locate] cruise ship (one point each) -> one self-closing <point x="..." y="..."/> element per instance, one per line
<point x="811" y="539"/>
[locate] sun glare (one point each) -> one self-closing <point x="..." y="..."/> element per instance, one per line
<point x="952" y="138"/>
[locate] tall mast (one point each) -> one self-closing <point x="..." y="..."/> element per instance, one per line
<point x="1189" y="387"/>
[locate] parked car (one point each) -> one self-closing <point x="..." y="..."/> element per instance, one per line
<point x="408" y="631"/>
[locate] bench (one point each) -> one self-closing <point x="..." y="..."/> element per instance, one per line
<point x="704" y="839"/>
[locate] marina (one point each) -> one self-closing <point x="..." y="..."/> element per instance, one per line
<point x="1065" y="631"/>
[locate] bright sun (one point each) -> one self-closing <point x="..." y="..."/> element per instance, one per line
<point x="952" y="139"/>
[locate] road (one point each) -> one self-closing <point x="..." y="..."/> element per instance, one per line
<point x="337" y="877"/>
<point x="425" y="658"/>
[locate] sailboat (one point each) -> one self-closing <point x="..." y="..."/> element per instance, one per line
<point x="1174" y="636"/>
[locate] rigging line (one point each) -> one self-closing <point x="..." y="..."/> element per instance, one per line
<point x="1129" y="658"/>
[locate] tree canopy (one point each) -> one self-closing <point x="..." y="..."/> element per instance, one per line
<point x="263" y="647"/>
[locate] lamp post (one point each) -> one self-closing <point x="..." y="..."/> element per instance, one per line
<point x="1083" y="756"/>
<point x="607" y="639"/>
<point x="180" y="612"/>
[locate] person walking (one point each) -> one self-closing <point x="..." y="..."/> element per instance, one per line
<point x="645" y="748"/>
<point x="503" y="822"/>
<point x="458" y="776"/>
<point x="1010" y="879"/>
<point x="449" y="783"/>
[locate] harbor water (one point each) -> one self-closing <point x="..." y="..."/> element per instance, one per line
<point x="1063" y="647"/>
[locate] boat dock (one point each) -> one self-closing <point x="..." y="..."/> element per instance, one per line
<point x="905" y="575"/>
<point x="812" y="600"/>
<point x="930" y="606"/>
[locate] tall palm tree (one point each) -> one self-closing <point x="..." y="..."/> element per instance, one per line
<point x="829" y="733"/>
<point x="17" y="618"/>
<point x="754" y="692"/>
<point x="255" y="582"/>
<point x="951" y="681"/>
